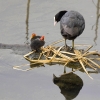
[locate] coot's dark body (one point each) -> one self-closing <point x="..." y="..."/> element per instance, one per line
<point x="72" y="24"/>
<point x="37" y="43"/>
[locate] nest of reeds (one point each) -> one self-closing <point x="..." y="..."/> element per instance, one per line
<point x="55" y="54"/>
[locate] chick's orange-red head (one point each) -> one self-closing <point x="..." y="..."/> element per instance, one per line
<point x="42" y="38"/>
<point x="33" y="35"/>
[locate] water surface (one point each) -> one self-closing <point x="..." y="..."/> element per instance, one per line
<point x="18" y="19"/>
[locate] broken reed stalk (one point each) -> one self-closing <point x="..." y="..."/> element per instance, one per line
<point x="64" y="52"/>
<point x="29" y="53"/>
<point x="57" y="42"/>
<point x="93" y="63"/>
<point x="62" y="55"/>
<point x="87" y="50"/>
<point x="80" y="59"/>
<point x="84" y="69"/>
<point x="91" y="53"/>
<point x="85" y="61"/>
<point x="55" y="54"/>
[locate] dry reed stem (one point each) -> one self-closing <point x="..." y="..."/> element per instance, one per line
<point x="72" y="54"/>
<point x="55" y="53"/>
<point x="62" y="55"/>
<point x="84" y="69"/>
<point x="80" y="59"/>
<point x="85" y="45"/>
<point x="39" y="56"/>
<point x="85" y="61"/>
<point x="97" y="58"/>
<point x="58" y="59"/>
<point x="57" y="42"/>
<point x="91" y="53"/>
<point x="86" y="51"/>
<point x="66" y="63"/>
<point x="93" y="63"/>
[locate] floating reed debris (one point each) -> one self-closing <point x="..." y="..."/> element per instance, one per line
<point x="53" y="54"/>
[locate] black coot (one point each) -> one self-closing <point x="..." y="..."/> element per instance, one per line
<point x="72" y="24"/>
<point x="37" y="42"/>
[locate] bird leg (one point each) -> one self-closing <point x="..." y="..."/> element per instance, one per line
<point x="64" y="69"/>
<point x="72" y="44"/>
<point x="66" y="47"/>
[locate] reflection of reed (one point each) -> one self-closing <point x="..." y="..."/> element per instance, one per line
<point x="27" y="18"/>
<point x="69" y="84"/>
<point x="97" y="21"/>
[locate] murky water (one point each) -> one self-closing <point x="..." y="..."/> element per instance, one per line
<point x="20" y="18"/>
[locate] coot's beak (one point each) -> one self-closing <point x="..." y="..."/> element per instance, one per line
<point x="55" y="22"/>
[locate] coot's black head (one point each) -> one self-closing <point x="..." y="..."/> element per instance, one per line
<point x="58" y="16"/>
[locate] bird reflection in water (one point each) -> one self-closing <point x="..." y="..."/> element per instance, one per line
<point x="70" y="85"/>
